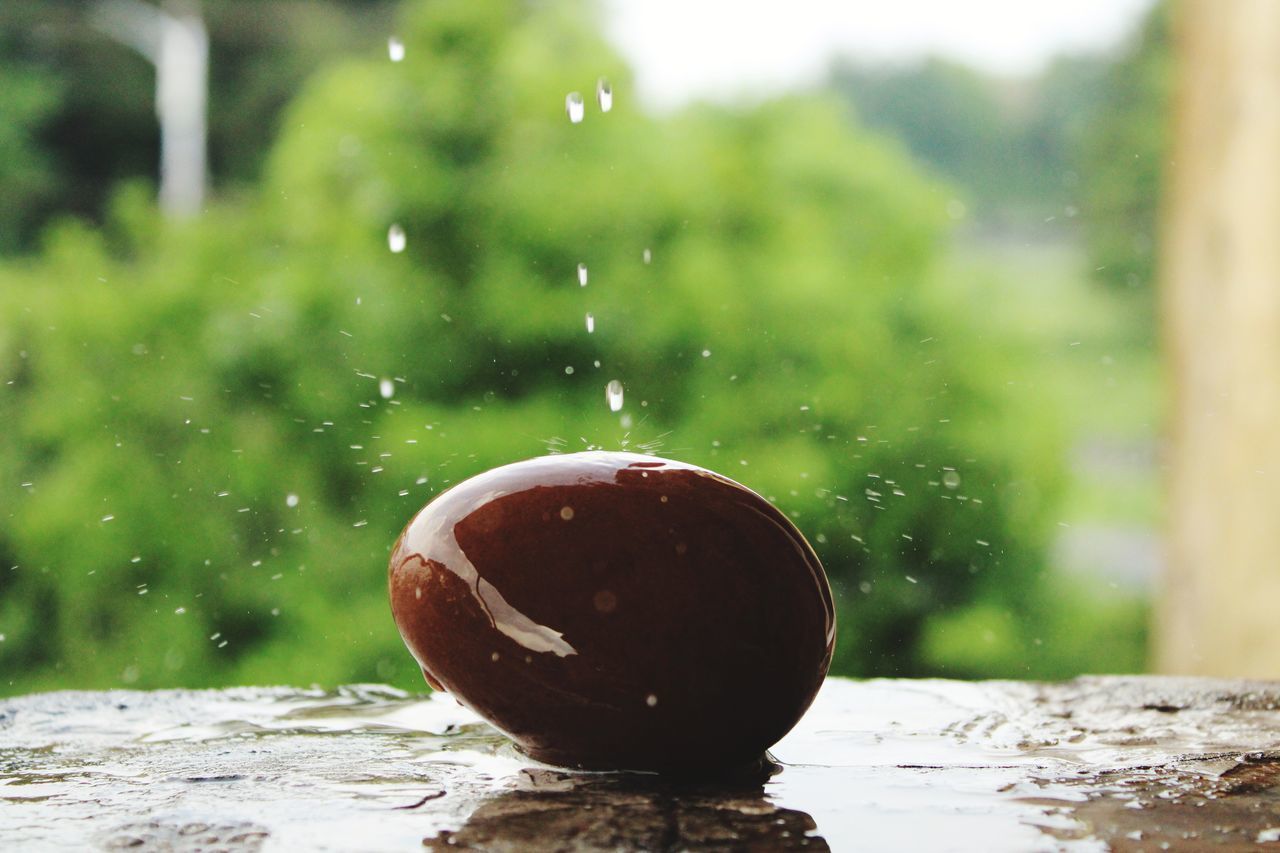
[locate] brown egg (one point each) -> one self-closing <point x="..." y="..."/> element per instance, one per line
<point x="616" y="611"/>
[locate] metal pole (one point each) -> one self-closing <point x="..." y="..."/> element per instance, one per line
<point x="175" y="41"/>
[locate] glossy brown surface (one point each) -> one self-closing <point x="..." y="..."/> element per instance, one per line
<point x="612" y="610"/>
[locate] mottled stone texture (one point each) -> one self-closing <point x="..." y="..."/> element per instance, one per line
<point x="1130" y="763"/>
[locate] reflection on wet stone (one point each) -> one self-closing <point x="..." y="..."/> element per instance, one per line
<point x="557" y="811"/>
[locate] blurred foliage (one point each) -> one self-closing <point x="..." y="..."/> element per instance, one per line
<point x="168" y="387"/>
<point x="77" y="109"/>
<point x="1008" y="145"/>
<point x="948" y="115"/>
<point x="1124" y="153"/>
<point x="1085" y="140"/>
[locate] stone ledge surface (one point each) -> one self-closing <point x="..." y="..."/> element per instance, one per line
<point x="1120" y="763"/>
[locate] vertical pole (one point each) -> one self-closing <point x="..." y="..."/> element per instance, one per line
<point x="173" y="39"/>
<point x="1220" y="613"/>
<point x="182" y="70"/>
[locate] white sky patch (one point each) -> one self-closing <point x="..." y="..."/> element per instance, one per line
<point x="682" y="50"/>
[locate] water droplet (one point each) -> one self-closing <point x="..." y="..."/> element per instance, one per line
<point x="395" y="48"/>
<point x="604" y="94"/>
<point x="180" y="611"/>
<point x="951" y="479"/>
<point x="582" y="275"/>
<point x="651" y="700"/>
<point x="396" y="238"/>
<point x="591" y="323"/>
<point x="291" y="500"/>
<point x="626" y="422"/>
<point x="386" y="388"/>
<point x="647" y="256"/>
<point x="706" y="353"/>
<point x="613" y="394"/>
<point x="573" y="106"/>
<point x="566" y="512"/>
<point x="568" y="370"/>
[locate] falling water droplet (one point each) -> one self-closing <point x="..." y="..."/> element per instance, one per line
<point x="573" y="106"/>
<point x="386" y="388"/>
<point x="648" y="256"/>
<point x="591" y="323"/>
<point x="951" y="479"/>
<point x="396" y="238"/>
<point x="395" y="48"/>
<point x="582" y="275"/>
<point x="706" y="353"/>
<point x="291" y="500"/>
<point x="613" y="393"/>
<point x="604" y="94"/>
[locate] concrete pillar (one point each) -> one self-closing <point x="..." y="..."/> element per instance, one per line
<point x="1220" y="279"/>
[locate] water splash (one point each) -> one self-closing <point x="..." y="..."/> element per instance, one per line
<point x="582" y="275"/>
<point x="396" y="238"/>
<point x="574" y="107"/>
<point x="604" y="94"/>
<point x="395" y="49"/>
<point x="613" y="395"/>
<point x="591" y="323"/>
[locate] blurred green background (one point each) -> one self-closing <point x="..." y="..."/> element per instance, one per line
<point x="911" y="306"/>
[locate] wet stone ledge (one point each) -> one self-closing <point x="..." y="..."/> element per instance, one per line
<point x="1093" y="764"/>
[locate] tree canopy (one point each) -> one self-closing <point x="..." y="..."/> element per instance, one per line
<point x="215" y="430"/>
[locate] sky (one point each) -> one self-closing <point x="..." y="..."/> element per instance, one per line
<point x="683" y="50"/>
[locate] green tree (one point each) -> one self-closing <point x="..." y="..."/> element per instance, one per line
<point x="77" y="110"/>
<point x="1008" y="145"/>
<point x="207" y="471"/>
<point x="948" y="115"/>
